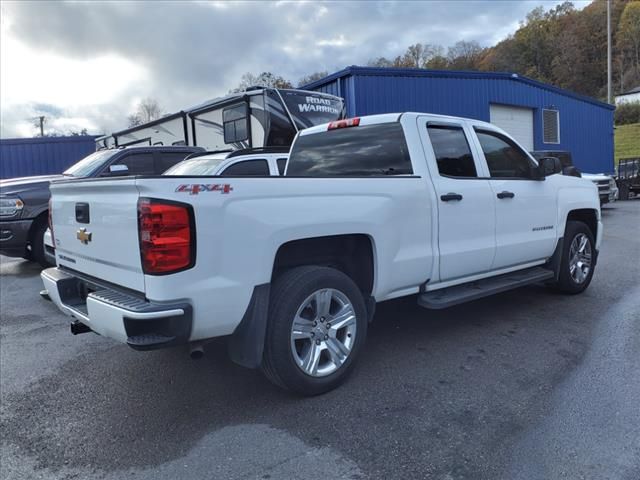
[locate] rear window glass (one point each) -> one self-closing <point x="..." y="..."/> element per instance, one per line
<point x="197" y="166"/>
<point x="90" y="164"/>
<point x="366" y="150"/>
<point x="247" y="168"/>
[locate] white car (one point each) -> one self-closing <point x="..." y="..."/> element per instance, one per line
<point x="290" y="268"/>
<point x="250" y="162"/>
<point x="607" y="188"/>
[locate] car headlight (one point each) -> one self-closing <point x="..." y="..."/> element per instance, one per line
<point x="10" y="207"/>
<point x="612" y="183"/>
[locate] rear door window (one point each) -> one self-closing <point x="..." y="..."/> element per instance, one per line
<point x="452" y="151"/>
<point x="365" y="150"/>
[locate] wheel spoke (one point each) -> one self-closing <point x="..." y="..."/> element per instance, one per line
<point x="337" y="351"/>
<point x="301" y="329"/>
<point x="344" y="318"/>
<point x="312" y="359"/>
<point x="583" y="244"/>
<point x="323" y="302"/>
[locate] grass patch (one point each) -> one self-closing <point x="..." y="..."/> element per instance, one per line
<point x="627" y="141"/>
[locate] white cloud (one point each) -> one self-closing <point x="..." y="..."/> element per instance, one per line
<point x="88" y="63"/>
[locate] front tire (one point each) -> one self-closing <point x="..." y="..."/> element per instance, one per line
<point x="578" y="258"/>
<point x="317" y="326"/>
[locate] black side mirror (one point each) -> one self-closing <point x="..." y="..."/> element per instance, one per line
<point x="549" y="166"/>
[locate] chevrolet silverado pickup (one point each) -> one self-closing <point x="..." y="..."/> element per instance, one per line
<point x="290" y="268"/>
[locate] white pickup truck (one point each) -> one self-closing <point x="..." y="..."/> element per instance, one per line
<point x="290" y="268"/>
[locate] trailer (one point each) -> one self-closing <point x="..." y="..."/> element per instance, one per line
<point x="628" y="179"/>
<point x="105" y="142"/>
<point x="258" y="117"/>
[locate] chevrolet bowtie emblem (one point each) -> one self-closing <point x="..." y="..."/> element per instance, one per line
<point x="83" y="235"/>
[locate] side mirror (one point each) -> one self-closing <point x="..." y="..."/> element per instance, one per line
<point x="118" y="170"/>
<point x="549" y="166"/>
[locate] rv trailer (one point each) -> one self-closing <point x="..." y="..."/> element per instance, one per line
<point x="258" y="117"/>
<point x="168" y="130"/>
<point x="105" y="142"/>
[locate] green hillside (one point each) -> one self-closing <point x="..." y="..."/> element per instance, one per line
<point x="627" y="141"/>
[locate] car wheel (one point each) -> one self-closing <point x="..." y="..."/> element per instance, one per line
<point x="578" y="258"/>
<point x="623" y="192"/>
<point x="37" y="244"/>
<point x="316" y="328"/>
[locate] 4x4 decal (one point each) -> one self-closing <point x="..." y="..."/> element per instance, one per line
<point x="195" y="188"/>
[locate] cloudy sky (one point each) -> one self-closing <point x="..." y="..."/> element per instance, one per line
<point x="85" y="65"/>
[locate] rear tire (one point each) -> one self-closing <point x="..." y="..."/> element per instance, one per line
<point x="578" y="258"/>
<point x="37" y="243"/>
<point x="311" y="356"/>
<point x="623" y="191"/>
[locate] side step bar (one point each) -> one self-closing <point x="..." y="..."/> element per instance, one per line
<point x="466" y="292"/>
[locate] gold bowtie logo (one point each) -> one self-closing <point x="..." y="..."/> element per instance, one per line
<point x="83" y="236"/>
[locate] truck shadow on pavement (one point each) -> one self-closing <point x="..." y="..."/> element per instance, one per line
<point x="467" y="377"/>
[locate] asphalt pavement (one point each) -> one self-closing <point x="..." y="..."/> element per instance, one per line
<point x="529" y="384"/>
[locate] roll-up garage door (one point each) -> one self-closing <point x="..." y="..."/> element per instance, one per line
<point x="516" y="121"/>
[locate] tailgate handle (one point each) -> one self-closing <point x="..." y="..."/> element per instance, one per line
<point x="82" y="212"/>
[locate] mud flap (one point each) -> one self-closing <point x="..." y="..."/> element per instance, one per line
<point x="246" y="344"/>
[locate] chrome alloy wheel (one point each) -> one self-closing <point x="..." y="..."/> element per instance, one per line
<point x="580" y="258"/>
<point x="323" y="332"/>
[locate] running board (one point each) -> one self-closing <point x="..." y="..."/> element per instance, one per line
<point x="466" y="292"/>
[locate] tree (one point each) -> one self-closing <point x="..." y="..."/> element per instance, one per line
<point x="312" y="78"/>
<point x="147" y="110"/>
<point x="464" y="55"/>
<point x="380" y="62"/>
<point x="265" y="79"/>
<point x="628" y="41"/>
<point x="419" y="55"/>
<point x="133" y="120"/>
<point x="76" y="133"/>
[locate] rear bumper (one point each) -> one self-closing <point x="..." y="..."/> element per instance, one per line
<point x="117" y="314"/>
<point x="14" y="236"/>
<point x="49" y="250"/>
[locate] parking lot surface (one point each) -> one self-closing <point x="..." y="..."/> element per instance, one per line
<point x="528" y="384"/>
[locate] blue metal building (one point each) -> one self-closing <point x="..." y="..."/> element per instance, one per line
<point x="22" y="157"/>
<point x="539" y="116"/>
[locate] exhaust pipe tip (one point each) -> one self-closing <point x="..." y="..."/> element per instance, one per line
<point x="78" y="327"/>
<point x="196" y="352"/>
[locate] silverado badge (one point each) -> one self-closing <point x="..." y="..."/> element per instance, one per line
<point x="83" y="235"/>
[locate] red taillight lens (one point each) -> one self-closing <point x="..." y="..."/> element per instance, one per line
<point x="348" y="122"/>
<point x="166" y="236"/>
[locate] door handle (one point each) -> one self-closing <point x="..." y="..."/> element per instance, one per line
<point x="450" y="196"/>
<point x="506" y="194"/>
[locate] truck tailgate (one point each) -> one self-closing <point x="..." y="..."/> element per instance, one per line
<point x="95" y="229"/>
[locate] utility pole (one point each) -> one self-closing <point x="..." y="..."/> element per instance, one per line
<point x="41" y="125"/>
<point x="608" y="51"/>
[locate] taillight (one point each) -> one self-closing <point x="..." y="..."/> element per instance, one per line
<point x="167" y="236"/>
<point x="53" y="240"/>
<point x="348" y="122"/>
